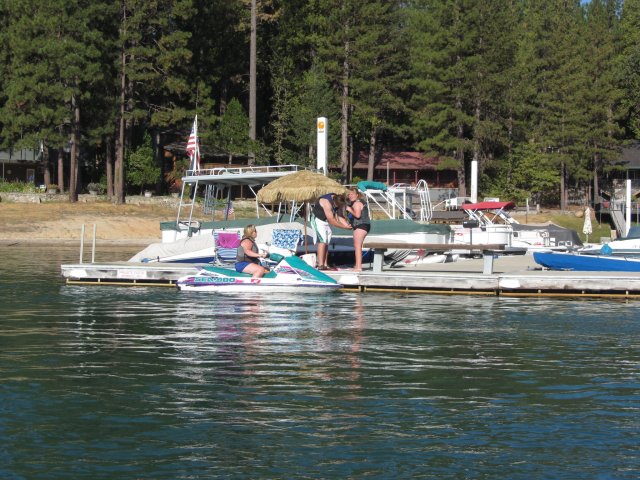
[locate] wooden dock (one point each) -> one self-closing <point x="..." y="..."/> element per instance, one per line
<point x="511" y="276"/>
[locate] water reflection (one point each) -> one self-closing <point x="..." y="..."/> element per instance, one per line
<point x="156" y="383"/>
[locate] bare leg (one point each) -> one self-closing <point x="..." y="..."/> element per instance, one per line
<point x="358" y="239"/>
<point x="255" y="270"/>
<point x="321" y="254"/>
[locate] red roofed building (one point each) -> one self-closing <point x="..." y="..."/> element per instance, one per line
<point x="405" y="167"/>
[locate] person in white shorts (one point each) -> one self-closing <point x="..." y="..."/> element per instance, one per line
<point x="326" y="212"/>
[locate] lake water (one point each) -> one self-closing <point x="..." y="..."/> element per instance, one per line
<point x="151" y="383"/>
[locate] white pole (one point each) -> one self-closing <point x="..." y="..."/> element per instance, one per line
<point x="322" y="129"/>
<point x="93" y="245"/>
<point x="628" y="211"/>
<point x="81" y="242"/>
<point x="474" y="181"/>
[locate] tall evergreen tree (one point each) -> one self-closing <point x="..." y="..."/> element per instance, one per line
<point x="332" y="23"/>
<point x="629" y="65"/>
<point x="153" y="75"/>
<point x="54" y="59"/>
<point x="443" y="56"/>
<point x="378" y="74"/>
<point x="553" y="83"/>
<point x="602" y="97"/>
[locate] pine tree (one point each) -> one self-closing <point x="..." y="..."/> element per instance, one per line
<point x="443" y="57"/>
<point x="552" y="76"/>
<point x="602" y="96"/>
<point x="54" y="59"/>
<point x="153" y="78"/>
<point x="629" y="65"/>
<point x="378" y="74"/>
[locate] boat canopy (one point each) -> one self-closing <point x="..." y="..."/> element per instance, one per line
<point x="488" y="206"/>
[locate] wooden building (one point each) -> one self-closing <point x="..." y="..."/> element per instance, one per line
<point x="405" y="167"/>
<point x="21" y="166"/>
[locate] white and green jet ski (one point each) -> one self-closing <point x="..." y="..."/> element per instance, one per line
<point x="290" y="274"/>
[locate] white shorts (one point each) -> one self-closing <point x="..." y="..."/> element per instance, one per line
<point x="322" y="230"/>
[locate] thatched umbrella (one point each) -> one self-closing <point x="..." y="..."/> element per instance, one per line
<point x="303" y="186"/>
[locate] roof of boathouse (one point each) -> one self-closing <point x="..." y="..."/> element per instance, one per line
<point x="630" y="156"/>
<point x="399" y="161"/>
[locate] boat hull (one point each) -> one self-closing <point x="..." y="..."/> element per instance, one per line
<point x="266" y="287"/>
<point x="586" y="263"/>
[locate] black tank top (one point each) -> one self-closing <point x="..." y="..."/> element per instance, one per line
<point x="318" y="211"/>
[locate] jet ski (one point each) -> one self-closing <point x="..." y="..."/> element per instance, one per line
<point x="289" y="274"/>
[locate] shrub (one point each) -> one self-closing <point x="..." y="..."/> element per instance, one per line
<point x="96" y="187"/>
<point x="141" y="167"/>
<point x="18" y="187"/>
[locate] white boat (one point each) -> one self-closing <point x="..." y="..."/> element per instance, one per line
<point x="490" y="222"/>
<point x="626" y="246"/>
<point x="190" y="240"/>
<point x="290" y="274"/>
<point x="203" y="247"/>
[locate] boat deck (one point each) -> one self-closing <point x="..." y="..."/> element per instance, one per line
<point x="512" y="276"/>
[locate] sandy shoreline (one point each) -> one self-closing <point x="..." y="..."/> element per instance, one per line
<point x="61" y="223"/>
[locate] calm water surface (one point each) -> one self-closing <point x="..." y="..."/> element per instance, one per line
<point x="151" y="383"/>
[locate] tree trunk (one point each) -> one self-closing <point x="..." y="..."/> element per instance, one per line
<point x="596" y="186"/>
<point x="459" y="155"/>
<point x="109" y="165"/>
<point x="61" y="170"/>
<point x="563" y="200"/>
<point x="344" y="120"/>
<point x="252" y="80"/>
<point x="73" y="164"/>
<point x="119" y="167"/>
<point x="157" y="148"/>
<point x="47" y="166"/>
<point x="372" y="153"/>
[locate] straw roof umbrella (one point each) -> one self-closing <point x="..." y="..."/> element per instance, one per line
<point x="303" y="186"/>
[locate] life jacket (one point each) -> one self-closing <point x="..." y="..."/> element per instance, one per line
<point x="242" y="257"/>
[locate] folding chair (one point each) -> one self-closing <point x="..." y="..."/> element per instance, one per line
<point x="285" y="241"/>
<point x="226" y="244"/>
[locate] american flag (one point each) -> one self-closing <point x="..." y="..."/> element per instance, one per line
<point x="192" y="145"/>
<point x="228" y="211"/>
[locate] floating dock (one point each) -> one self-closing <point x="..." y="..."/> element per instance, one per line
<point x="511" y="276"/>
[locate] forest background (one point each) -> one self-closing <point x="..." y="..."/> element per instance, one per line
<point x="541" y="93"/>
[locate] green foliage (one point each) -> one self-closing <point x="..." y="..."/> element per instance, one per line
<point x="517" y="85"/>
<point x="526" y="173"/>
<point x="99" y="188"/>
<point x="18" y="187"/>
<point x="232" y="132"/>
<point x="141" y="169"/>
<point x="298" y="102"/>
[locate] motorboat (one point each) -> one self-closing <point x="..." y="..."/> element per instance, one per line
<point x="628" y="246"/>
<point x="490" y="222"/>
<point x="586" y="263"/>
<point x="188" y="240"/>
<point x="290" y="274"/>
